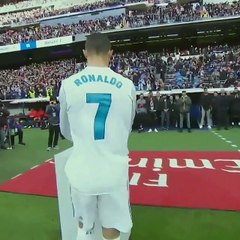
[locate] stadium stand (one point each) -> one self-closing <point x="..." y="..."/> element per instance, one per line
<point x="213" y="67"/>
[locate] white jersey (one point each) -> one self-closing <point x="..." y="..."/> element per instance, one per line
<point x="97" y="112"/>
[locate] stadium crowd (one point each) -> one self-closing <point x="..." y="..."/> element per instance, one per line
<point x="30" y="16"/>
<point x="152" y="16"/>
<point x="217" y="66"/>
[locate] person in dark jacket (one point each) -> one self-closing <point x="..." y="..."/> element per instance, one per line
<point x="174" y="111"/>
<point x="141" y="110"/>
<point x="158" y="99"/>
<point x="185" y="104"/>
<point x="165" y="112"/>
<point x="205" y="102"/>
<point x="53" y="111"/>
<point x="222" y="106"/>
<point x="151" y="107"/>
<point x="4" y="113"/>
<point x="214" y="104"/>
<point x="235" y="108"/>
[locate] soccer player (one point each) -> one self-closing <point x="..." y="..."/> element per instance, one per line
<point x="97" y="109"/>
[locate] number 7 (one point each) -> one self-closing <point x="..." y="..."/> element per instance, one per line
<point x="104" y="100"/>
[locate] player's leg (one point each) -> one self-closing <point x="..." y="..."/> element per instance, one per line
<point x="162" y="119"/>
<point x="12" y="137"/>
<point x="202" y="118"/>
<point x="115" y="213"/>
<point x="56" y="136"/>
<point x="84" y="210"/>
<point x="168" y="119"/>
<point x="2" y="137"/>
<point x="181" y="122"/>
<point x="20" y="137"/>
<point x="50" y="137"/>
<point x="188" y="121"/>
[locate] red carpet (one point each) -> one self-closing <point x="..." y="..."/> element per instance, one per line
<point x="174" y="179"/>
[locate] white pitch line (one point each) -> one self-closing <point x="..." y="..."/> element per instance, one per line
<point x="225" y="140"/>
<point x="17" y="176"/>
<point x="48" y="160"/>
<point x="34" y="167"/>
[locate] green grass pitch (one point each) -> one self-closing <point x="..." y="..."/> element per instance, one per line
<point x="36" y="218"/>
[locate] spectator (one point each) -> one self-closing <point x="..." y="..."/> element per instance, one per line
<point x="206" y="107"/>
<point x="222" y="107"/>
<point x="174" y="111"/>
<point x="214" y="104"/>
<point x="32" y="92"/>
<point x="151" y="107"/>
<point x="141" y="112"/>
<point x="185" y="103"/>
<point x="165" y="112"/>
<point x="235" y="108"/>
<point x="158" y="100"/>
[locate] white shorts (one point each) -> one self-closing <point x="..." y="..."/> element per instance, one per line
<point x="112" y="209"/>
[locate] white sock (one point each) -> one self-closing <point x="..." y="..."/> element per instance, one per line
<point x="118" y="238"/>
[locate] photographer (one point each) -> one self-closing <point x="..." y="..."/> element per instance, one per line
<point x="4" y="113"/>
<point x="53" y="118"/>
<point x="15" y="129"/>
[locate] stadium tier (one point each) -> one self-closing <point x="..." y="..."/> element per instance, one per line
<point x="125" y="17"/>
<point x="213" y="67"/>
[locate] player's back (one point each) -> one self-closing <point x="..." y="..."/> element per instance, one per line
<point x="100" y="104"/>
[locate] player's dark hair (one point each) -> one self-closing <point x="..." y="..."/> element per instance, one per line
<point x="98" y="43"/>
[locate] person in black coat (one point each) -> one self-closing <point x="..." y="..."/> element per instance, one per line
<point x="174" y="111"/>
<point x="205" y="102"/>
<point x="158" y="100"/>
<point x="165" y="112"/>
<point x="4" y="113"/>
<point x="235" y="108"/>
<point x="151" y="108"/>
<point x="214" y="108"/>
<point x="223" y="104"/>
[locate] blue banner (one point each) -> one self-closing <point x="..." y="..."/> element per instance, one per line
<point x="28" y="45"/>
